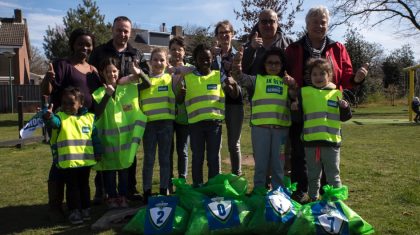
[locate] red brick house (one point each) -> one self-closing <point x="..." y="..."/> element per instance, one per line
<point x="14" y="49"/>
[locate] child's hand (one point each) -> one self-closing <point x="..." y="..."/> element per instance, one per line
<point x="109" y="89"/>
<point x="294" y="106"/>
<point x="135" y="69"/>
<point x="289" y="80"/>
<point x="50" y="73"/>
<point x="237" y="59"/>
<point x="342" y="103"/>
<point x="48" y="113"/>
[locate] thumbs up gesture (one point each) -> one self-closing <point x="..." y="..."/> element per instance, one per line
<point x="48" y="113"/>
<point x="109" y="89"/>
<point x="289" y="80"/>
<point x="50" y="72"/>
<point x="361" y="73"/>
<point x="342" y="103"/>
<point x="256" y="41"/>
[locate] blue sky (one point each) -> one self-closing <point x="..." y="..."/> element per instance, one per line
<point x="150" y="15"/>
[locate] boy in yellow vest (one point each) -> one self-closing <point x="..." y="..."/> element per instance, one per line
<point x="75" y="148"/>
<point x="322" y="109"/>
<point x="205" y="102"/>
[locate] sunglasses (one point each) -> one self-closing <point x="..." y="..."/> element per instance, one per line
<point x="266" y="22"/>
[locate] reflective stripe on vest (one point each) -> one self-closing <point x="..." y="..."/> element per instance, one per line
<point x="74" y="140"/>
<point x="158" y="101"/>
<point x="269" y="102"/>
<point x="120" y="127"/>
<point x="205" y="99"/>
<point x="321" y="115"/>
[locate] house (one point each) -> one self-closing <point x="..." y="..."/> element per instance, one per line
<point x="147" y="40"/>
<point x="14" y="50"/>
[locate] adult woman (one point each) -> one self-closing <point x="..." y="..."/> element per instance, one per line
<point x="315" y="44"/>
<point x="71" y="71"/>
<point x="234" y="107"/>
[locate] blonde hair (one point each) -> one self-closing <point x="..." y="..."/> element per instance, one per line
<point x="159" y="50"/>
<point x="317" y="11"/>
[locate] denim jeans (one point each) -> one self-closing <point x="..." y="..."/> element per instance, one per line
<point x="78" y="190"/>
<point x="181" y="144"/>
<point x="234" y="116"/>
<point x="157" y="134"/>
<point x="205" y="136"/>
<point x="110" y="180"/>
<point x="267" y="144"/>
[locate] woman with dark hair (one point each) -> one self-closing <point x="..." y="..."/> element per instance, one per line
<point x="74" y="71"/>
<point x="315" y="44"/>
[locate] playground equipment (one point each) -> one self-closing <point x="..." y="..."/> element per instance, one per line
<point x="411" y="70"/>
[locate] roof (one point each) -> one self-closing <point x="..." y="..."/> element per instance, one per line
<point x="12" y="33"/>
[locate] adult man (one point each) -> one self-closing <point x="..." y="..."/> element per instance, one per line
<point x="119" y="47"/>
<point x="265" y="35"/>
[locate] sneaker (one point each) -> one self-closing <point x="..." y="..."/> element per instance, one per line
<point x="112" y="203"/>
<point x="122" y="201"/>
<point x="75" y="217"/>
<point x="86" y="214"/>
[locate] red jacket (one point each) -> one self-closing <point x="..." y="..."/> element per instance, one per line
<point x="334" y="51"/>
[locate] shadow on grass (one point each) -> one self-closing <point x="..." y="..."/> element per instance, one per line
<point x="34" y="218"/>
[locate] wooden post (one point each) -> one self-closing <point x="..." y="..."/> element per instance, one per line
<point x="20" y="118"/>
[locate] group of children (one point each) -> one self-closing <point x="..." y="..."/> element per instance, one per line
<point x="135" y="108"/>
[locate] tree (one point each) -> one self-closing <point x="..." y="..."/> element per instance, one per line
<point x="362" y="51"/>
<point x="376" y="12"/>
<point x="393" y="66"/>
<point x="86" y="15"/>
<point x="251" y="9"/>
<point x="37" y="62"/>
<point x="196" y="35"/>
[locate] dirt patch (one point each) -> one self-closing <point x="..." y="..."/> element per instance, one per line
<point x="247" y="160"/>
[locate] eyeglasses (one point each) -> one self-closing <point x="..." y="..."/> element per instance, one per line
<point x="224" y="32"/>
<point x="266" y="22"/>
<point x="271" y="63"/>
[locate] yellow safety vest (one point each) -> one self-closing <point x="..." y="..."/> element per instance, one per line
<point x="73" y="140"/>
<point x="158" y="101"/>
<point x="205" y="99"/>
<point x="120" y="127"/>
<point x="269" y="102"/>
<point x="321" y="115"/>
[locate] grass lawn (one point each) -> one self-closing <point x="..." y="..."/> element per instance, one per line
<point x="379" y="164"/>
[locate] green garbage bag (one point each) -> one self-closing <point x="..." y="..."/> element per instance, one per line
<point x="220" y="215"/>
<point x="274" y="210"/>
<point x="225" y="185"/>
<point x="188" y="197"/>
<point x="329" y="216"/>
<point x="161" y="216"/>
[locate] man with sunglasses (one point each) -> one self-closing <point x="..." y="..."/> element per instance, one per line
<point x="265" y="35"/>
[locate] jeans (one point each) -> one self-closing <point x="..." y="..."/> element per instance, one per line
<point x="267" y="144"/>
<point x="181" y="144"/>
<point x="157" y="134"/>
<point x="110" y="178"/>
<point x="234" y="116"/>
<point x="205" y="136"/>
<point x="78" y="191"/>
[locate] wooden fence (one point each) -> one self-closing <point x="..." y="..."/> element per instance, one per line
<point x="31" y="95"/>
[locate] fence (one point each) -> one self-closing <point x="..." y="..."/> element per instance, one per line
<point x="29" y="92"/>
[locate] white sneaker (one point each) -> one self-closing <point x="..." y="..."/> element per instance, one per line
<point x="75" y="217"/>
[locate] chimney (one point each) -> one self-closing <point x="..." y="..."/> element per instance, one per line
<point x="18" y="16"/>
<point x="177" y="30"/>
<point x="163" y="27"/>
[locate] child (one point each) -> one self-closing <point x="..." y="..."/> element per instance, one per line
<point x="270" y="114"/>
<point x="75" y="147"/>
<point x="158" y="103"/>
<point x="322" y="109"/>
<point x="204" y="100"/>
<point x="120" y="125"/>
<point x="415" y="106"/>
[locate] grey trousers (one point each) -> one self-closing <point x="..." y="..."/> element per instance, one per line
<point x="234" y="116"/>
<point x="322" y="158"/>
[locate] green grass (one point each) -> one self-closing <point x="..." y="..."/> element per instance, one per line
<point x="379" y="164"/>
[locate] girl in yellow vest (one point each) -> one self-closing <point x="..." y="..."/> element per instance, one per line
<point x="76" y="147"/>
<point x="322" y="109"/>
<point x="158" y="103"/>
<point x="270" y="114"/>
<point x="203" y="94"/>
<point x="120" y="124"/>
